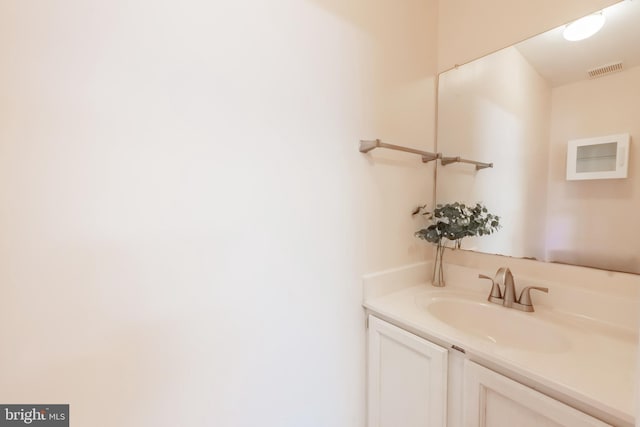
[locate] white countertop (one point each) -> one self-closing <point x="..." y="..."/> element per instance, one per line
<point x="596" y="370"/>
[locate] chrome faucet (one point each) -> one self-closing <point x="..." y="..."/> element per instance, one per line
<point x="504" y="277"/>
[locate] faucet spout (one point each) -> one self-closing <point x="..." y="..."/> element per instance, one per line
<point x="508" y="298"/>
<point x="505" y="277"/>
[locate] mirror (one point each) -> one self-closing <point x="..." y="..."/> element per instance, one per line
<point x="518" y="108"/>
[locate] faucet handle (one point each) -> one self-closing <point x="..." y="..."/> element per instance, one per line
<point x="525" y="295"/>
<point x="495" y="294"/>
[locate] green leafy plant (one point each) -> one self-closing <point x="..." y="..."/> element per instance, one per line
<point x="454" y="222"/>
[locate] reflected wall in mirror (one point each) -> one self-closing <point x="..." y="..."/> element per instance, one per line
<point x="518" y="108"/>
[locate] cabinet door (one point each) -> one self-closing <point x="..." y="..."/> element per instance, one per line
<point x="493" y="400"/>
<point x="407" y="380"/>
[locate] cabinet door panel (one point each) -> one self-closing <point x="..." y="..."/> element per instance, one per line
<point x="493" y="400"/>
<point x="407" y="379"/>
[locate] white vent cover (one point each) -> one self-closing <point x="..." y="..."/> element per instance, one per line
<point x="605" y="69"/>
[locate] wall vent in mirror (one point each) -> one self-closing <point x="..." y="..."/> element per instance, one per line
<point x="604" y="70"/>
<point x="604" y="157"/>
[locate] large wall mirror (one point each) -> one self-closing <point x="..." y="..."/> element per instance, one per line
<point x="518" y="108"/>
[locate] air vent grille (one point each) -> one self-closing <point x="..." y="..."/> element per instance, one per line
<point x="604" y="70"/>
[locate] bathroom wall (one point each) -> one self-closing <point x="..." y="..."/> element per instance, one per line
<point x="598" y="202"/>
<point x="184" y="215"/>
<point x="496" y="110"/>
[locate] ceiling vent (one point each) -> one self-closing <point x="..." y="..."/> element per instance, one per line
<point x="605" y="69"/>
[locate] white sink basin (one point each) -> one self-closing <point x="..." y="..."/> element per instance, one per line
<point x="504" y="326"/>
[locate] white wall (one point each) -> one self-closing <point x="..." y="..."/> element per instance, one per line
<point x="184" y="216"/>
<point x="496" y="110"/>
<point x="608" y="209"/>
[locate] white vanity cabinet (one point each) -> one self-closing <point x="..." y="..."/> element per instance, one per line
<point x="493" y="400"/>
<point x="407" y="378"/>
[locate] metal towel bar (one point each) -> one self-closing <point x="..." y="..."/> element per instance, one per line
<point x="479" y="165"/>
<point x="368" y="145"/>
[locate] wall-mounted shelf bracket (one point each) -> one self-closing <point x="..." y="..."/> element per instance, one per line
<point x="479" y="165"/>
<point x="368" y="145"/>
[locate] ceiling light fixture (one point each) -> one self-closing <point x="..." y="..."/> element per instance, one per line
<point x="584" y="27"/>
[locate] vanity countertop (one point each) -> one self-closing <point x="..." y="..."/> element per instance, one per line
<point x="595" y="367"/>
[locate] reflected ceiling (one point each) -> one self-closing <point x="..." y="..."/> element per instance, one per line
<point x="619" y="40"/>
